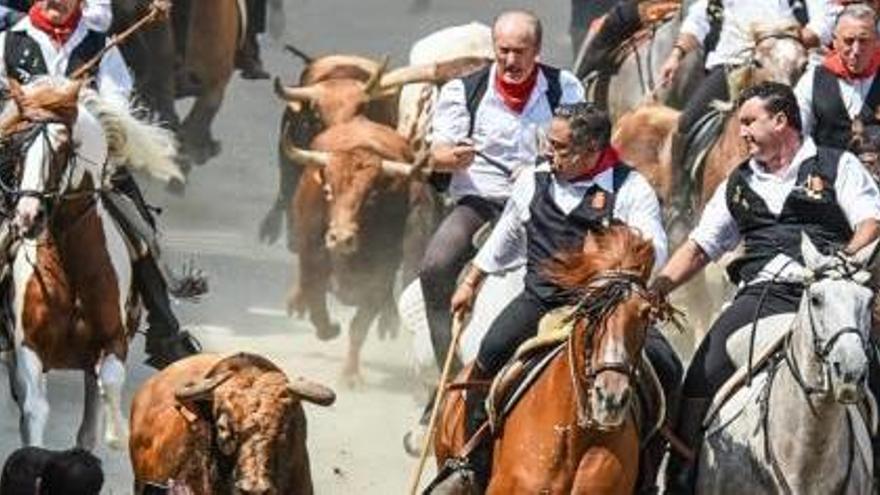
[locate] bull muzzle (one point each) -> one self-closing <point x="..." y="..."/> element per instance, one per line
<point x="341" y="241"/>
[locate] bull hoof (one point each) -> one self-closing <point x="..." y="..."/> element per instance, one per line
<point x="328" y="332"/>
<point x="351" y="380"/>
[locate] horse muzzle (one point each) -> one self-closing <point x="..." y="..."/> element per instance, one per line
<point x="610" y="405"/>
<point x="28" y="217"/>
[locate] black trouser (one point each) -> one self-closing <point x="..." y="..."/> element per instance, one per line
<point x="621" y="23"/>
<point x="712" y="87"/>
<point x="583" y="13"/>
<point x="450" y="248"/>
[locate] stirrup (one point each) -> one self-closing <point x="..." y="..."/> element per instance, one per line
<point x="457" y="476"/>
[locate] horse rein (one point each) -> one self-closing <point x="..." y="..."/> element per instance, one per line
<point x="622" y="284"/>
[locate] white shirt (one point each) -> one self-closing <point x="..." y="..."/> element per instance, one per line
<point x="856" y="191"/>
<point x="852" y="92"/>
<point x="636" y="205"/>
<point x="98" y="14"/>
<point x="113" y="75"/>
<point x="503" y="135"/>
<point x="734" y="41"/>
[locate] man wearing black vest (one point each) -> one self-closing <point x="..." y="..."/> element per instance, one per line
<point x="788" y="186"/>
<point x="484" y="129"/>
<point x="54" y="40"/>
<point x="553" y="207"/>
<point x="844" y="87"/>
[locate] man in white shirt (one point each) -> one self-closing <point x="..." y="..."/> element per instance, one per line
<point x="552" y="209"/>
<point x="485" y="127"/>
<point x="787" y="187"/>
<point x="720" y="28"/>
<point x="98" y="14"/>
<point x="54" y="40"/>
<point x="844" y="88"/>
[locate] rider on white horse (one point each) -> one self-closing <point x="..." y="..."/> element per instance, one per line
<point x="787" y="187"/>
<point x="55" y="40"/>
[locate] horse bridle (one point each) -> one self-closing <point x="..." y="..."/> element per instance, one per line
<point x="621" y="284"/>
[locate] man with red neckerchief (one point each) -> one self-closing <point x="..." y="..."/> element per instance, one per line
<point x="844" y="87"/>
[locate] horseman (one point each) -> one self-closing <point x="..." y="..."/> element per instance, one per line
<point x="717" y="26"/>
<point x="844" y="88"/>
<point x="484" y="129"/>
<point x="788" y="186"/>
<point x="97" y="14"/>
<point x="54" y="39"/>
<point x="552" y="208"/>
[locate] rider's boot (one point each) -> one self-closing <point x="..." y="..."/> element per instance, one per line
<point x="681" y="473"/>
<point x="248" y="60"/>
<point x="166" y="343"/>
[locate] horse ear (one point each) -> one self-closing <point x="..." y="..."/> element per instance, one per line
<point x="812" y="257"/>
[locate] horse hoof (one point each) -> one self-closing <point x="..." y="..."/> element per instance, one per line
<point x="176" y="187"/>
<point x="117" y="442"/>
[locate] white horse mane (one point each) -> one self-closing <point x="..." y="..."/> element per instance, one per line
<point x="132" y="142"/>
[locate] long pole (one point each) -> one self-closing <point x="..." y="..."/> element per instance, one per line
<point x="457" y="324"/>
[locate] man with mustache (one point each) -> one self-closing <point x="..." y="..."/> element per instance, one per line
<point x="844" y="87"/>
<point x="788" y="186"/>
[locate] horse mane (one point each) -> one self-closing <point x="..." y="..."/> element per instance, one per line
<point x="616" y="247"/>
<point x="133" y="142"/>
<point x="741" y="78"/>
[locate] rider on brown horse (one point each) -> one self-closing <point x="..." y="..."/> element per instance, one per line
<point x="787" y="187"/>
<point x="552" y="208"/>
<point x="57" y="27"/>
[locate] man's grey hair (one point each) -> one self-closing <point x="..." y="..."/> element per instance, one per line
<point x="857" y="11"/>
<point x="590" y="125"/>
<point x="534" y="21"/>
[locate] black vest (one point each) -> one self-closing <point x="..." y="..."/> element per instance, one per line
<point x="550" y="231"/>
<point x="833" y="126"/>
<point x="24" y="60"/>
<point x="812" y="209"/>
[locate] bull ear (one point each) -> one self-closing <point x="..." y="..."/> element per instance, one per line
<point x="201" y="390"/>
<point x="313" y="392"/>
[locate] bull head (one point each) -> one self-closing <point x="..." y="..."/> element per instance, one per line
<point x="322" y="159"/>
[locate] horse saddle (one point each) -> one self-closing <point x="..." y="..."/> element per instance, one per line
<point x="534" y="355"/>
<point x="140" y="235"/>
<point x="699" y="139"/>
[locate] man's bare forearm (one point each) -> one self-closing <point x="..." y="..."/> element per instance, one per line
<point x="684" y="264"/>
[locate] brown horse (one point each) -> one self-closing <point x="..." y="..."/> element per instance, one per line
<point x="70" y="301"/>
<point x="573" y="431"/>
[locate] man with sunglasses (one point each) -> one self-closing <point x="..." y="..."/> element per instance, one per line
<point x="552" y="208"/>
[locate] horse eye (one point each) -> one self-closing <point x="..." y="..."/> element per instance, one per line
<point x="758" y="64"/>
<point x="816" y="300"/>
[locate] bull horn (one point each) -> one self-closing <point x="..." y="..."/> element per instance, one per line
<point x="436" y="73"/>
<point x="392" y="167"/>
<point x="363" y="63"/>
<point x="312" y="392"/>
<point x="373" y="83"/>
<point x="306" y="157"/>
<point x="303" y="93"/>
<point x="200" y="390"/>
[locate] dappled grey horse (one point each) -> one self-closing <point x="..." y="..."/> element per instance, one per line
<point x="796" y="428"/>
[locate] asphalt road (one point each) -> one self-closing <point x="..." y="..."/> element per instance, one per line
<point x="355" y="445"/>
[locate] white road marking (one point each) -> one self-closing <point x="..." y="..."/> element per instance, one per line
<point x="271" y="312"/>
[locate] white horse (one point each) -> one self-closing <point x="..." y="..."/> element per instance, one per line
<point x="71" y="303"/>
<point x="796" y="429"/>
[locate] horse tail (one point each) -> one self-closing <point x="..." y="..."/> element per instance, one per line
<point x="131" y="142"/>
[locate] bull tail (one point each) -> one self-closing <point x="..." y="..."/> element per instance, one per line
<point x="243" y="22"/>
<point x="296" y="52"/>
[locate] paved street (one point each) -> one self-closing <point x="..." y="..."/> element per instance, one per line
<point x="355" y="445"/>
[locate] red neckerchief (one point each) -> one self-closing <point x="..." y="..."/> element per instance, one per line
<point x="60" y="32"/>
<point x="516" y="95"/>
<point x="607" y="159"/>
<point x="834" y="64"/>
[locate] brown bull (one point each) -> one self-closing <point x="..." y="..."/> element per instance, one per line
<point x="224" y="425"/>
<point x="349" y="214"/>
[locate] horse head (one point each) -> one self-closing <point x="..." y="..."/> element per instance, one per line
<point x="776" y="54"/>
<point x="614" y="312"/>
<point x="834" y="322"/>
<point x="37" y="132"/>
